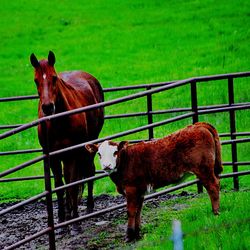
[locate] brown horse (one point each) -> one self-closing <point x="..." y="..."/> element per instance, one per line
<point x="58" y="93"/>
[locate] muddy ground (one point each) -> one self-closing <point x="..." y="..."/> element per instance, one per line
<point x="103" y="232"/>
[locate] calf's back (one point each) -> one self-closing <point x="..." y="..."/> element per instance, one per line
<point x="166" y="160"/>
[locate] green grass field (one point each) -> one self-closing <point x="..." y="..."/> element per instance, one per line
<point x="202" y="230"/>
<point x="124" y="43"/>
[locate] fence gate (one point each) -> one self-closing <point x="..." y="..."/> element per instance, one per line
<point x="194" y="111"/>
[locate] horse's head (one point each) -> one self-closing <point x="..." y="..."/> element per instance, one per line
<point x="45" y="79"/>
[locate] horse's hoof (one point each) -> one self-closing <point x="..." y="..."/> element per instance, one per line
<point x="90" y="210"/>
<point x="68" y="216"/>
<point x="76" y="229"/>
<point x="61" y="231"/>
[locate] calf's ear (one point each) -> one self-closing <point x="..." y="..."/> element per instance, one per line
<point x="122" y="144"/>
<point x="92" y="148"/>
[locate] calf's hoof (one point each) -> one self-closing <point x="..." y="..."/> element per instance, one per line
<point x="216" y="212"/>
<point x="130" y="236"/>
<point x="137" y="234"/>
<point x="129" y="240"/>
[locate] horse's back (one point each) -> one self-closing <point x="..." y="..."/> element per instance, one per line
<point x="83" y="81"/>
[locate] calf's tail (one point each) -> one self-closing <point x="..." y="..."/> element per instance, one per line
<point x="218" y="168"/>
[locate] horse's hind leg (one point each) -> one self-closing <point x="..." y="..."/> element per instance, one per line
<point x="68" y="205"/>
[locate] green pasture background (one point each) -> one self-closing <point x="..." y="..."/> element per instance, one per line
<point x="125" y="43"/>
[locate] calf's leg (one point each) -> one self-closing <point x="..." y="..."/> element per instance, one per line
<point x="140" y="200"/>
<point x="133" y="210"/>
<point x="213" y="189"/>
<point x="212" y="185"/>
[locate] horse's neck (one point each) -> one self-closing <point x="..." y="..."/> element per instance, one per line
<point x="62" y="100"/>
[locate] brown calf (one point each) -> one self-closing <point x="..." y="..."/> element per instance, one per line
<point x="140" y="167"/>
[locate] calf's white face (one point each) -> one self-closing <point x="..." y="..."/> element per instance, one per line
<point x="107" y="155"/>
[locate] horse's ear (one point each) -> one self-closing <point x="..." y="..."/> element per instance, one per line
<point x="33" y="60"/>
<point x="51" y="58"/>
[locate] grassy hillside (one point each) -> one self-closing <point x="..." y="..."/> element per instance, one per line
<point x="123" y="43"/>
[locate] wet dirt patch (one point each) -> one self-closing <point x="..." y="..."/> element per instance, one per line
<point x="103" y="232"/>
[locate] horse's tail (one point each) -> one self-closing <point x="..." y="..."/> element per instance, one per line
<point x="218" y="168"/>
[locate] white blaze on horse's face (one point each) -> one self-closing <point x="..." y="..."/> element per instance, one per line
<point x="108" y="154"/>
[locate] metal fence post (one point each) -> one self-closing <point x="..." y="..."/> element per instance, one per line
<point x="194" y="102"/>
<point x="47" y="177"/>
<point x="150" y="116"/>
<point x="233" y="131"/>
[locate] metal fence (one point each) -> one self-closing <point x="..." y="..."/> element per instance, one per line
<point x="193" y="112"/>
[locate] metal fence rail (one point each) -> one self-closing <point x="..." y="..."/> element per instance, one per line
<point x="128" y="132"/>
<point x="148" y="91"/>
<point x="40" y="158"/>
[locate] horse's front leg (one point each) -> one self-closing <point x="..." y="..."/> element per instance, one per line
<point x="90" y="199"/>
<point x="69" y="173"/>
<point x="89" y="171"/>
<point x="57" y="172"/>
<point x="72" y="173"/>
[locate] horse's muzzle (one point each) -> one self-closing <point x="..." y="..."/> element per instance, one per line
<point x="48" y="109"/>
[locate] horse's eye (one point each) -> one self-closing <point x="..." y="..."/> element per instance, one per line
<point x="99" y="155"/>
<point x="115" y="153"/>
